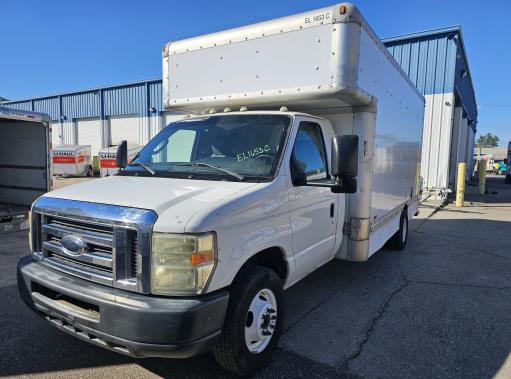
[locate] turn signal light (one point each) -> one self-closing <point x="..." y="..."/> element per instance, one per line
<point x="199" y="258"/>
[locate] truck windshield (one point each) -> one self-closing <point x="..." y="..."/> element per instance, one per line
<point x="236" y="147"/>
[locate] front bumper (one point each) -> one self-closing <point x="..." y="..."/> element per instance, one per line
<point x="132" y="324"/>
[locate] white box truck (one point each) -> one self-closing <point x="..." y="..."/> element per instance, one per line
<point x="72" y="160"/>
<point x="302" y="145"/>
<point x="25" y="144"/>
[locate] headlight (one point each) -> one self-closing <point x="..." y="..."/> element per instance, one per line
<point x="181" y="263"/>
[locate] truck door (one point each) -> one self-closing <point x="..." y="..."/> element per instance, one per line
<point x="313" y="210"/>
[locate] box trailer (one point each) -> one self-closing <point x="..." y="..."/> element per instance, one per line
<point x="108" y="159"/>
<point x="302" y="144"/>
<point x="72" y="160"/>
<point x="24" y="165"/>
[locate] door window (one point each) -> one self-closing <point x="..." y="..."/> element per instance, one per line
<point x="309" y="151"/>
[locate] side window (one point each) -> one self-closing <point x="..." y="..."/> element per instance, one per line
<point x="309" y="151"/>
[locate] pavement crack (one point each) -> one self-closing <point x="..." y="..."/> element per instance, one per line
<point x="379" y="314"/>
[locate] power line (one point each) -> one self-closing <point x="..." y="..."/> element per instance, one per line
<point x="493" y="105"/>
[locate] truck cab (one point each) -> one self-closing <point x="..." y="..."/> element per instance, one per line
<point x="205" y="202"/>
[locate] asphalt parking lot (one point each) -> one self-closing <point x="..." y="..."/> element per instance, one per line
<point x="439" y="309"/>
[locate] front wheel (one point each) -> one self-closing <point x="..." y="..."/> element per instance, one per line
<point x="253" y="323"/>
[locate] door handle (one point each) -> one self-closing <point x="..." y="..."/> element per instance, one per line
<point x="332" y="210"/>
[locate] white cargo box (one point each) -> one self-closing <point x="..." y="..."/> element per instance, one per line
<point x="108" y="158"/>
<point x="314" y="60"/>
<point x="71" y="160"/>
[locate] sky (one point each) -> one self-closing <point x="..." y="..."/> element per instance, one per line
<point x="53" y="46"/>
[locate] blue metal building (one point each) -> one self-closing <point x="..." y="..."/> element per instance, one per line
<point x="101" y="117"/>
<point x="435" y="60"/>
<point x="437" y="64"/>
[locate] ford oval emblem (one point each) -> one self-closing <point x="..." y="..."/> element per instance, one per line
<point x="73" y="244"/>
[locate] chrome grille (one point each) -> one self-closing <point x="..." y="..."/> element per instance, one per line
<point x="115" y="241"/>
<point x="96" y="264"/>
<point x="134" y="256"/>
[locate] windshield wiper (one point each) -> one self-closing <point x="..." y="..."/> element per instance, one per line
<point x="202" y="164"/>
<point x="149" y="169"/>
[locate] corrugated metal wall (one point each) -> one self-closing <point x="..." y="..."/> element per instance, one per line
<point x="141" y="98"/>
<point x="463" y="84"/>
<point x="49" y="106"/>
<point x="108" y="101"/>
<point x="81" y="105"/>
<point x="433" y="61"/>
<point x="429" y="62"/>
<point x="125" y="100"/>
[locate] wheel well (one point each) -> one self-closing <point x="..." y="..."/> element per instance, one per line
<point x="272" y="258"/>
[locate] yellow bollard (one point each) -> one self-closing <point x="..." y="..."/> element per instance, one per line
<point x="482" y="176"/>
<point x="460" y="188"/>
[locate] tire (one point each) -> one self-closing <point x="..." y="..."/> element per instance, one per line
<point x="399" y="239"/>
<point x="246" y="311"/>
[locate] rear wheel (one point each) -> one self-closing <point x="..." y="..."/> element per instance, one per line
<point x="398" y="240"/>
<point x="253" y="323"/>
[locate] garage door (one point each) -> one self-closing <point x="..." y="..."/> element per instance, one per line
<point x="55" y="135"/>
<point x="125" y="128"/>
<point x="89" y="133"/>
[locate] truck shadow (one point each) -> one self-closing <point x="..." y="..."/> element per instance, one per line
<point x="436" y="308"/>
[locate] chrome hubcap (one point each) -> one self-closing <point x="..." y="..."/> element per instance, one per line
<point x="260" y="321"/>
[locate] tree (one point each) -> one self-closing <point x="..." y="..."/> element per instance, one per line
<point x="488" y="140"/>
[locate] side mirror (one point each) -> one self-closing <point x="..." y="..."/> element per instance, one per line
<point x="122" y="154"/>
<point x="345" y="163"/>
<point x="345" y="156"/>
